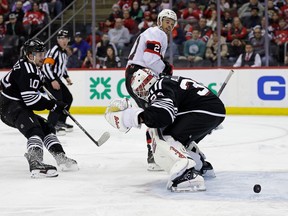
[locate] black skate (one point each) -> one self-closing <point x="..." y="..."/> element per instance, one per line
<point x="60" y="131"/>
<point x="65" y="163"/>
<point x="189" y="181"/>
<point x="65" y="126"/>
<point x="39" y="169"/>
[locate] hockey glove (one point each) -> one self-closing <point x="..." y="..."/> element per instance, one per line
<point x="121" y="115"/>
<point x="168" y="70"/>
<point x="59" y="107"/>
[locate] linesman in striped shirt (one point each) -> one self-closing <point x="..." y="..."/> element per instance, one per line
<point x="20" y="96"/>
<point x="55" y="70"/>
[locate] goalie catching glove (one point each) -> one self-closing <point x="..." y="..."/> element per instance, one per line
<point x="122" y="116"/>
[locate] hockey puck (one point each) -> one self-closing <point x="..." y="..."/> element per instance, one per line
<point x="257" y="188"/>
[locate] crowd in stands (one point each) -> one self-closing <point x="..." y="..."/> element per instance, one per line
<point x="21" y="20"/>
<point x="194" y="39"/>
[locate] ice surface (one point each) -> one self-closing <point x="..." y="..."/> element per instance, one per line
<point x="113" y="181"/>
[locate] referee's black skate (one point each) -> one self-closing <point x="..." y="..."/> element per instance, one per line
<point x="40" y="170"/>
<point x="65" y="163"/>
<point x="65" y="126"/>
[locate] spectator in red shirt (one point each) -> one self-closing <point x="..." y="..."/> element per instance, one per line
<point x="2" y="27"/>
<point x="34" y="20"/>
<point x="237" y="31"/>
<point x="192" y="13"/>
<point x="130" y="23"/>
<point x="4" y="8"/>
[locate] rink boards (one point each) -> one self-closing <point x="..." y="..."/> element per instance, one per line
<point x="249" y="91"/>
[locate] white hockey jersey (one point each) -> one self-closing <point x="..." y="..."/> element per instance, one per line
<point x="149" y="50"/>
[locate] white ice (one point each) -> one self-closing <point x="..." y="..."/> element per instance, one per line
<point x="113" y="180"/>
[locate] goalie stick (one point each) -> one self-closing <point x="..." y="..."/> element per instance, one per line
<point x="225" y="83"/>
<point x="104" y="137"/>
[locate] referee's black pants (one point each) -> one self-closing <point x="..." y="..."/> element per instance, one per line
<point x="63" y="94"/>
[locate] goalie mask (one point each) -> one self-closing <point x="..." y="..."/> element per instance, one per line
<point x="141" y="82"/>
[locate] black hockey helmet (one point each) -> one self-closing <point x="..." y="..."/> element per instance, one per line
<point x="33" y="45"/>
<point x="63" y="34"/>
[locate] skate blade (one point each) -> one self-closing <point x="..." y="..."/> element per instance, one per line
<point x="61" y="133"/>
<point x="71" y="168"/>
<point x="154" y="167"/>
<point x="195" y="188"/>
<point x="207" y="174"/>
<point x="68" y="130"/>
<point x="39" y="174"/>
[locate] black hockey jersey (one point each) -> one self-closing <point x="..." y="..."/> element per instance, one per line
<point x="22" y="83"/>
<point x="172" y="96"/>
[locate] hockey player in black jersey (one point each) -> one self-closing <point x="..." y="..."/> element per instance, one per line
<point x="180" y="113"/>
<point x="19" y="97"/>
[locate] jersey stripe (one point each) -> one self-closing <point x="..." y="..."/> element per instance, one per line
<point x="30" y="97"/>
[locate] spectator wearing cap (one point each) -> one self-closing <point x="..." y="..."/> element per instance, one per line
<point x="146" y="23"/>
<point x="17" y="9"/>
<point x="153" y="4"/>
<point x="16" y="28"/>
<point x="119" y="35"/>
<point x="80" y="46"/>
<point x="116" y="13"/>
<point x="55" y="69"/>
<point x="4" y="7"/>
<point x="252" y="20"/>
<point x="153" y="16"/>
<point x="245" y="9"/>
<point x="136" y="12"/>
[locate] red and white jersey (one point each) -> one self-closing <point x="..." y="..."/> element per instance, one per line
<point x="149" y="50"/>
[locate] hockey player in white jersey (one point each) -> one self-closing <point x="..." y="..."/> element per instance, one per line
<point x="180" y="113"/>
<point x="148" y="52"/>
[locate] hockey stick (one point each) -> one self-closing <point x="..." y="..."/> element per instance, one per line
<point x="225" y="83"/>
<point x="219" y="127"/>
<point x="104" y="137"/>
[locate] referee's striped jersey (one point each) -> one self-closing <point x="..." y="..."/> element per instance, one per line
<point x="55" y="63"/>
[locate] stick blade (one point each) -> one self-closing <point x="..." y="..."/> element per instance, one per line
<point x="105" y="136"/>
